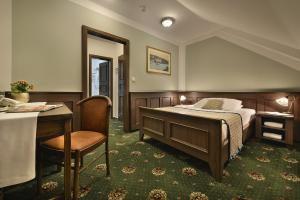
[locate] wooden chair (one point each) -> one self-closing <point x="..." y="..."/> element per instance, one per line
<point x="95" y="112"/>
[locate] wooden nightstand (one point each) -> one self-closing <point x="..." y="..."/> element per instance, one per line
<point x="275" y="126"/>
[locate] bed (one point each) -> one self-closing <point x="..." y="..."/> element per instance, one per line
<point x="204" y="134"/>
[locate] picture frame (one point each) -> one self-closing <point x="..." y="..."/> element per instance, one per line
<point x="158" y="61"/>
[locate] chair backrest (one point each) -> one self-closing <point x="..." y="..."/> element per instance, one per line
<point x="95" y="114"/>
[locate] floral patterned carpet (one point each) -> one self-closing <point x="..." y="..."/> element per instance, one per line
<point x="152" y="170"/>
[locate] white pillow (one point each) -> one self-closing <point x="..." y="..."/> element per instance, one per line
<point x="201" y="103"/>
<point x="232" y="105"/>
<point x="228" y="105"/>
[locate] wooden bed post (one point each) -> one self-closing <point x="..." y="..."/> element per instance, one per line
<point x="215" y="150"/>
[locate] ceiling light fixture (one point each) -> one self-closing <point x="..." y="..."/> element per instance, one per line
<point x="167" y="22"/>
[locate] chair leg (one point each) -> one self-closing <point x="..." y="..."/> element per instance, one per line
<point x="81" y="162"/>
<point x="107" y="159"/>
<point x="141" y="136"/>
<point x="76" y="187"/>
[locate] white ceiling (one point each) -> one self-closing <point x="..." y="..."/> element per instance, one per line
<point x="268" y="27"/>
<point x="187" y="25"/>
<point x="276" y="20"/>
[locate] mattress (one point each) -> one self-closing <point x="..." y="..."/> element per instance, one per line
<point x="246" y="114"/>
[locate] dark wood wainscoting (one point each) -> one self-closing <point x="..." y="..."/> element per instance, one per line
<point x="260" y="101"/>
<point x="151" y="100"/>
<point x="68" y="98"/>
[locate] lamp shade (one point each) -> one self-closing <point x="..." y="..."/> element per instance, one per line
<point x="182" y="98"/>
<point x="284" y="101"/>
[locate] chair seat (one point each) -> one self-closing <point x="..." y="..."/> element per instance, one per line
<point x="80" y="140"/>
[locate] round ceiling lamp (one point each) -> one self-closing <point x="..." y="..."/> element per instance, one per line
<point x="167" y="22"/>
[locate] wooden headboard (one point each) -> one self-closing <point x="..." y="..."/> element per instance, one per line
<point x="260" y="101"/>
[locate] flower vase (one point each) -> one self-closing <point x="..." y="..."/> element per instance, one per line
<point x="22" y="96"/>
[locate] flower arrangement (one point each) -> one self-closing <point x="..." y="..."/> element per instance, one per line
<point x="21" y="86"/>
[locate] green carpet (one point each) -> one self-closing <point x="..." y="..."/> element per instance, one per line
<point x="152" y="170"/>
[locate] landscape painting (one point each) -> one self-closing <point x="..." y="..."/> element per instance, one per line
<point x="158" y="61"/>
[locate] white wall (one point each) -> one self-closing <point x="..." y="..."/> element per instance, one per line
<point x="5" y="44"/>
<point x="47" y="46"/>
<point x="113" y="50"/>
<point x="217" y="65"/>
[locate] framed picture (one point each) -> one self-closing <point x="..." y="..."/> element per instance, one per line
<point x="158" y="61"/>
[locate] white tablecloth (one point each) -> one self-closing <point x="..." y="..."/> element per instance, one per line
<point x="17" y="147"/>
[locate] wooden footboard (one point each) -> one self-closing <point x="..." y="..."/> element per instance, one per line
<point x="196" y="136"/>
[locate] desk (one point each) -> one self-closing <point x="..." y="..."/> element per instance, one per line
<point x="55" y="122"/>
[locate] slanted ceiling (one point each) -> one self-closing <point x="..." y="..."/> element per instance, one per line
<point x="268" y="27"/>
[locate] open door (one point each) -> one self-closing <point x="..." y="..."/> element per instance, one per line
<point x="100" y="76"/>
<point x="104" y="87"/>
<point x="121" y="87"/>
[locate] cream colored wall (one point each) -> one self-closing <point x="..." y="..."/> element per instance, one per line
<point x="5" y="44"/>
<point x="47" y="46"/>
<point x="217" y="65"/>
<point x="47" y="52"/>
<point x="113" y="50"/>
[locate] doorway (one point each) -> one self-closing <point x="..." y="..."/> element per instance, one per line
<point x="121" y="86"/>
<point x="123" y="73"/>
<point x="100" y="76"/>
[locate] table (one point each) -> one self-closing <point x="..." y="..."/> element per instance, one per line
<point x="56" y="122"/>
<point x="286" y="131"/>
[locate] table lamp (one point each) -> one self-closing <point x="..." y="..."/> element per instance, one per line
<point x="284" y="101"/>
<point x="182" y="99"/>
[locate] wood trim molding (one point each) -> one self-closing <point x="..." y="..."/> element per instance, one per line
<point x="91" y="31"/>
